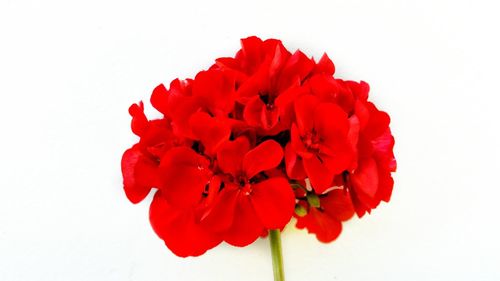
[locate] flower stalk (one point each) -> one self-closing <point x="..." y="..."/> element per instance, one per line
<point x="276" y="253"/>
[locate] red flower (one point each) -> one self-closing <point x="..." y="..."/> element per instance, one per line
<point x="179" y="205"/>
<point x="211" y="91"/>
<point x="251" y="201"/>
<point x="319" y="136"/>
<point x="265" y="70"/>
<point x="215" y="158"/>
<point x="371" y="181"/>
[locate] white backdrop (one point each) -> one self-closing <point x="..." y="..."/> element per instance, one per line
<point x="69" y="70"/>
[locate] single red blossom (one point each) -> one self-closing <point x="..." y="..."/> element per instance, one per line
<point x="212" y="92"/>
<point x="266" y="70"/>
<point x="250" y="202"/>
<point x="319" y="136"/>
<point x="192" y="113"/>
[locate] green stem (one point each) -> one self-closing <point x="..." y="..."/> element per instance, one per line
<point x="275" y="242"/>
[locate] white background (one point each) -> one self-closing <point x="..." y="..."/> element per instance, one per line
<point x="69" y="70"/>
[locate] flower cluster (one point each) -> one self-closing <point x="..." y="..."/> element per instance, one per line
<point x="253" y="141"/>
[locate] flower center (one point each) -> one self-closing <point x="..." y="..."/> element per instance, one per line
<point x="268" y="100"/>
<point x="311" y="141"/>
<point x="244" y="184"/>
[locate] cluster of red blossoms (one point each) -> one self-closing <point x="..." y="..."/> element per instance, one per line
<point x="254" y="141"/>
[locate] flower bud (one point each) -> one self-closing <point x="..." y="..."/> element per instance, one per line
<point x="300" y="210"/>
<point x="313" y="200"/>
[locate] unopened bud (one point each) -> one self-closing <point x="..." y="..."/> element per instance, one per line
<point x="313" y="200"/>
<point x="300" y="210"/>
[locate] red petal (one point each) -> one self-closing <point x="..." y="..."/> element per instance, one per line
<point x="362" y="112"/>
<point x="184" y="176"/>
<point x="213" y="190"/>
<point x="220" y="217"/>
<point x="339" y="159"/>
<point x="212" y="132"/>
<point x="344" y="96"/>
<point x="320" y="176"/>
<point x="365" y="178"/>
<point x="182" y="107"/>
<point x="180" y="88"/>
<point x="251" y="48"/>
<point x="158" y="137"/>
<point x="179" y="229"/>
<point x="331" y="122"/>
<point x="215" y="89"/>
<point x="253" y="112"/>
<point x="230" y="155"/>
<point x="265" y="156"/>
<point x="294" y="166"/>
<point x="297" y="66"/>
<point x="159" y="99"/>
<point x="338" y="204"/>
<point x="139" y="121"/>
<point x="246" y="227"/>
<point x="325" y="65"/>
<point x="305" y="106"/>
<point x="332" y="125"/>
<point x="285" y="101"/>
<point x="353" y="134"/>
<point x="323" y="86"/>
<point x="360" y="90"/>
<point x="359" y="207"/>
<point x="139" y="175"/>
<point x="274" y="202"/>
<point x="278" y="58"/>
<point x="382" y="149"/>
<point x="228" y="63"/>
<point x="258" y="82"/>
<point x="386" y="183"/>
<point x="325" y="227"/>
<point x="378" y="122"/>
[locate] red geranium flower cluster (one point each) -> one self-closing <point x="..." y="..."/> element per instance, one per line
<point x="253" y="141"/>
